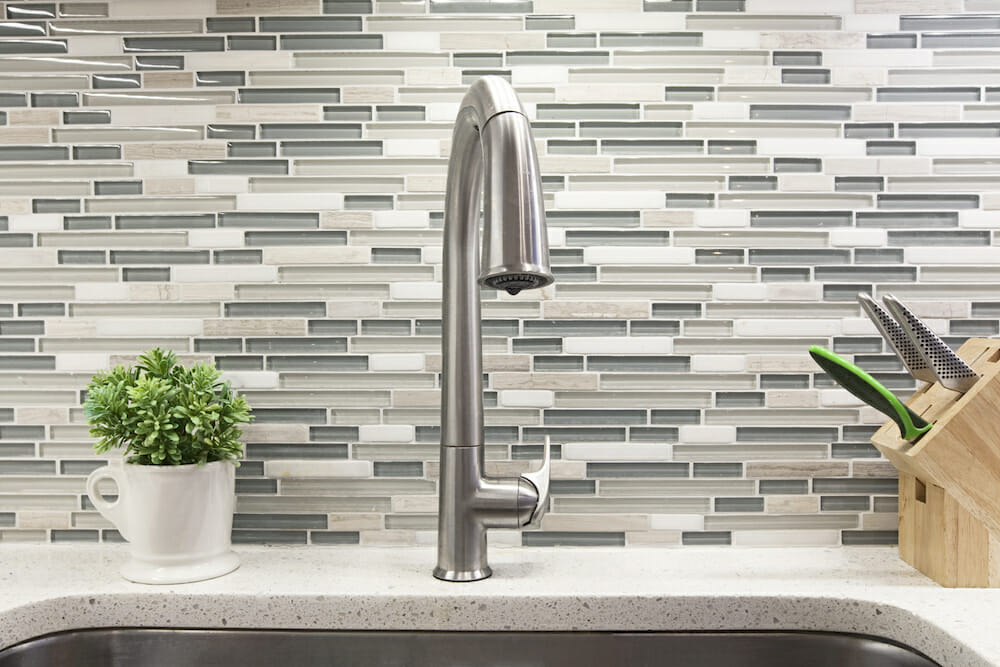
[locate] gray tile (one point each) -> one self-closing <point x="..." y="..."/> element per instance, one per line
<point x="574" y="328"/>
<point x="251" y="149"/>
<point x="22" y="11"/>
<point x="797" y="58"/>
<point x="895" y="40"/>
<point x="115" y="81"/>
<point x="718" y="470"/>
<point x="819" y="219"/>
<point x="478" y="60"/>
<point x="891" y="148"/>
<point x="238" y="167"/>
<point x="564" y="40"/>
<point x="636" y="469"/>
<point x="960" y="40"/>
<point x="159" y="257"/>
<point x="928" y="94"/>
<point x="155" y="44"/>
<point x="55" y="206"/>
<point x="320" y="42"/>
<point x="726" y="505"/>
<point x="553" y="57"/>
<point x="753" y="183"/>
<point x="13" y="46"/>
<point x="296" y="238"/>
<point x="215" y="131"/>
<point x="237" y="257"/>
<point x="567" y="22"/>
<point x="794" y="165"/>
<point x="252" y="42"/>
<point x="230" y="24"/>
<point x="159" y="63"/>
<point x="918" y="201"/>
<point x="118" y="187"/>
<point x="934" y="237"/>
<point x="175" y="221"/>
<point x="331" y="148"/>
<point x="310" y="24"/>
<point x="869" y="537"/>
<point x="667" y="5"/>
<point x="854" y="486"/>
<point x="908" y="219"/>
<point x="97" y="152"/>
<point x="310" y="131"/>
<point x="704" y="538"/>
<point x="22" y="28"/>
<point x="858" y="184"/>
<point x="733" y="147"/>
<point x="55" y="100"/>
<point x="347" y="6"/>
<point x="96" y="117"/>
<point x="800" y="112"/>
<point x="805" y="76"/>
<point x="949" y="129"/>
<point x="244" y="536"/>
<point x="156" y="275"/>
<point x="272" y="220"/>
<point x="689" y="94"/>
<point x="220" y="78"/>
<point x="574" y="539"/>
<point x="783" y="486"/>
<point x="868" y="130"/>
<point x="651" y="39"/>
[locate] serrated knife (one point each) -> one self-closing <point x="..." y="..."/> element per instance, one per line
<point x="951" y="370"/>
<point x="897" y="338"/>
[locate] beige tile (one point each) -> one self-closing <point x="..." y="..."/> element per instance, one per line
<point x="367" y="94"/>
<point x="879" y="521"/>
<point x="168" y="79"/>
<point x="793" y="469"/>
<point x="168" y="186"/>
<point x="355" y="521"/>
<point x="791" y="504"/>
<point x="554" y="381"/>
<point x="189" y="150"/>
<point x="255" y="327"/>
<point x="44" y="117"/>
<point x="24" y="135"/>
<point x="345" y="220"/>
<point x="492" y="41"/>
<point x="653" y="538"/>
<point x="259" y="113"/>
<point x="873" y="468"/>
<point x="596" y="309"/>
<point x="50" y="415"/>
<point x="268" y="6"/>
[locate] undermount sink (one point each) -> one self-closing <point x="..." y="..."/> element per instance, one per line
<point x="304" y="648"/>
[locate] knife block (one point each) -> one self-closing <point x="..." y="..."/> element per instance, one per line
<point x="949" y="479"/>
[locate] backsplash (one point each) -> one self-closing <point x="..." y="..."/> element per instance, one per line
<point x="260" y="183"/>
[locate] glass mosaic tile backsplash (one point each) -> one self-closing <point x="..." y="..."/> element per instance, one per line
<point x="260" y="183"/>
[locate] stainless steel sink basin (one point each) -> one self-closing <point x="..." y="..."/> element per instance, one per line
<point x="301" y="648"/>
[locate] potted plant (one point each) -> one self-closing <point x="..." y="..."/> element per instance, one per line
<point x="180" y="429"/>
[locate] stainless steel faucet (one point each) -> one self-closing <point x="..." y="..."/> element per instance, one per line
<point x="492" y="154"/>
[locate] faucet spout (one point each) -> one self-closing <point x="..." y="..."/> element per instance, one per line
<point x="493" y="166"/>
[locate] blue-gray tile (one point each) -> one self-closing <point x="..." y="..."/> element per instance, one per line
<point x="156" y="44"/>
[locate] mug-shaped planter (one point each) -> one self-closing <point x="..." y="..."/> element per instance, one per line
<point x="178" y="519"/>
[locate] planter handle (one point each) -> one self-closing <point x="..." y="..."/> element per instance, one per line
<point x="113" y="512"/>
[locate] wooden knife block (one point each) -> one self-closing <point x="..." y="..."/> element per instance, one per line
<point x="949" y="480"/>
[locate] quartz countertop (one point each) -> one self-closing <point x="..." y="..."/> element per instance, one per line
<point x="48" y="588"/>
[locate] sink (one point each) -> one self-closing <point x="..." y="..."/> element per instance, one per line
<point x="304" y="648"/>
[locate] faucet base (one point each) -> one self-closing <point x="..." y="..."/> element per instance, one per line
<point x="462" y="575"/>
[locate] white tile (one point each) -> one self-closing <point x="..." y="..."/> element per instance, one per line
<point x="714" y="217"/>
<point x="952" y="255"/>
<point x="522" y="75"/>
<point x="617" y="345"/>
<point x="252" y="379"/>
<point x="677" y="521"/>
<point x="707" y="435"/>
<point x="385" y="433"/>
<point x="81" y="361"/>
<point x="415" y="290"/>
<point x="794" y="292"/>
<point x="739" y="292"/>
<point x="774" y="327"/>
<point x="294" y="201"/>
<point x="401" y="219"/>
<point x="858" y="238"/>
<point x="396" y="362"/>
<point x="35" y="222"/>
<point x="149" y="326"/>
<point x="527" y="398"/>
<point x="411" y="147"/>
<point x="614" y="451"/>
<point x="101" y="292"/>
<point x="224" y="273"/>
<point x="411" y="41"/>
<point x="955" y="146"/>
<point x="809" y="147"/>
<point x="720" y="111"/>
<point x="215" y="238"/>
<point x="631" y="199"/>
<point x="631" y="255"/>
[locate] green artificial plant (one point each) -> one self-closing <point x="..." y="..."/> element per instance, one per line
<point x="163" y="413"/>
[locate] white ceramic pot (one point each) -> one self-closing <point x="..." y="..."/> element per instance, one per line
<point x="178" y="519"/>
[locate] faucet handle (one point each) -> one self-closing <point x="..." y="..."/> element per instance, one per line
<point x="540" y="480"/>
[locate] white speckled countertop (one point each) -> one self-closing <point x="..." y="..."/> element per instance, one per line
<point x="47" y="588"/>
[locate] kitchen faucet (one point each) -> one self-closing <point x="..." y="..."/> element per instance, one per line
<point x="492" y="154"/>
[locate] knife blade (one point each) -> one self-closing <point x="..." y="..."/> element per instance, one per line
<point x="952" y="371"/>
<point x="871" y="391"/>
<point x="894" y="334"/>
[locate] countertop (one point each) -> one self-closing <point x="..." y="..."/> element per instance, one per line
<point x="48" y="588"/>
